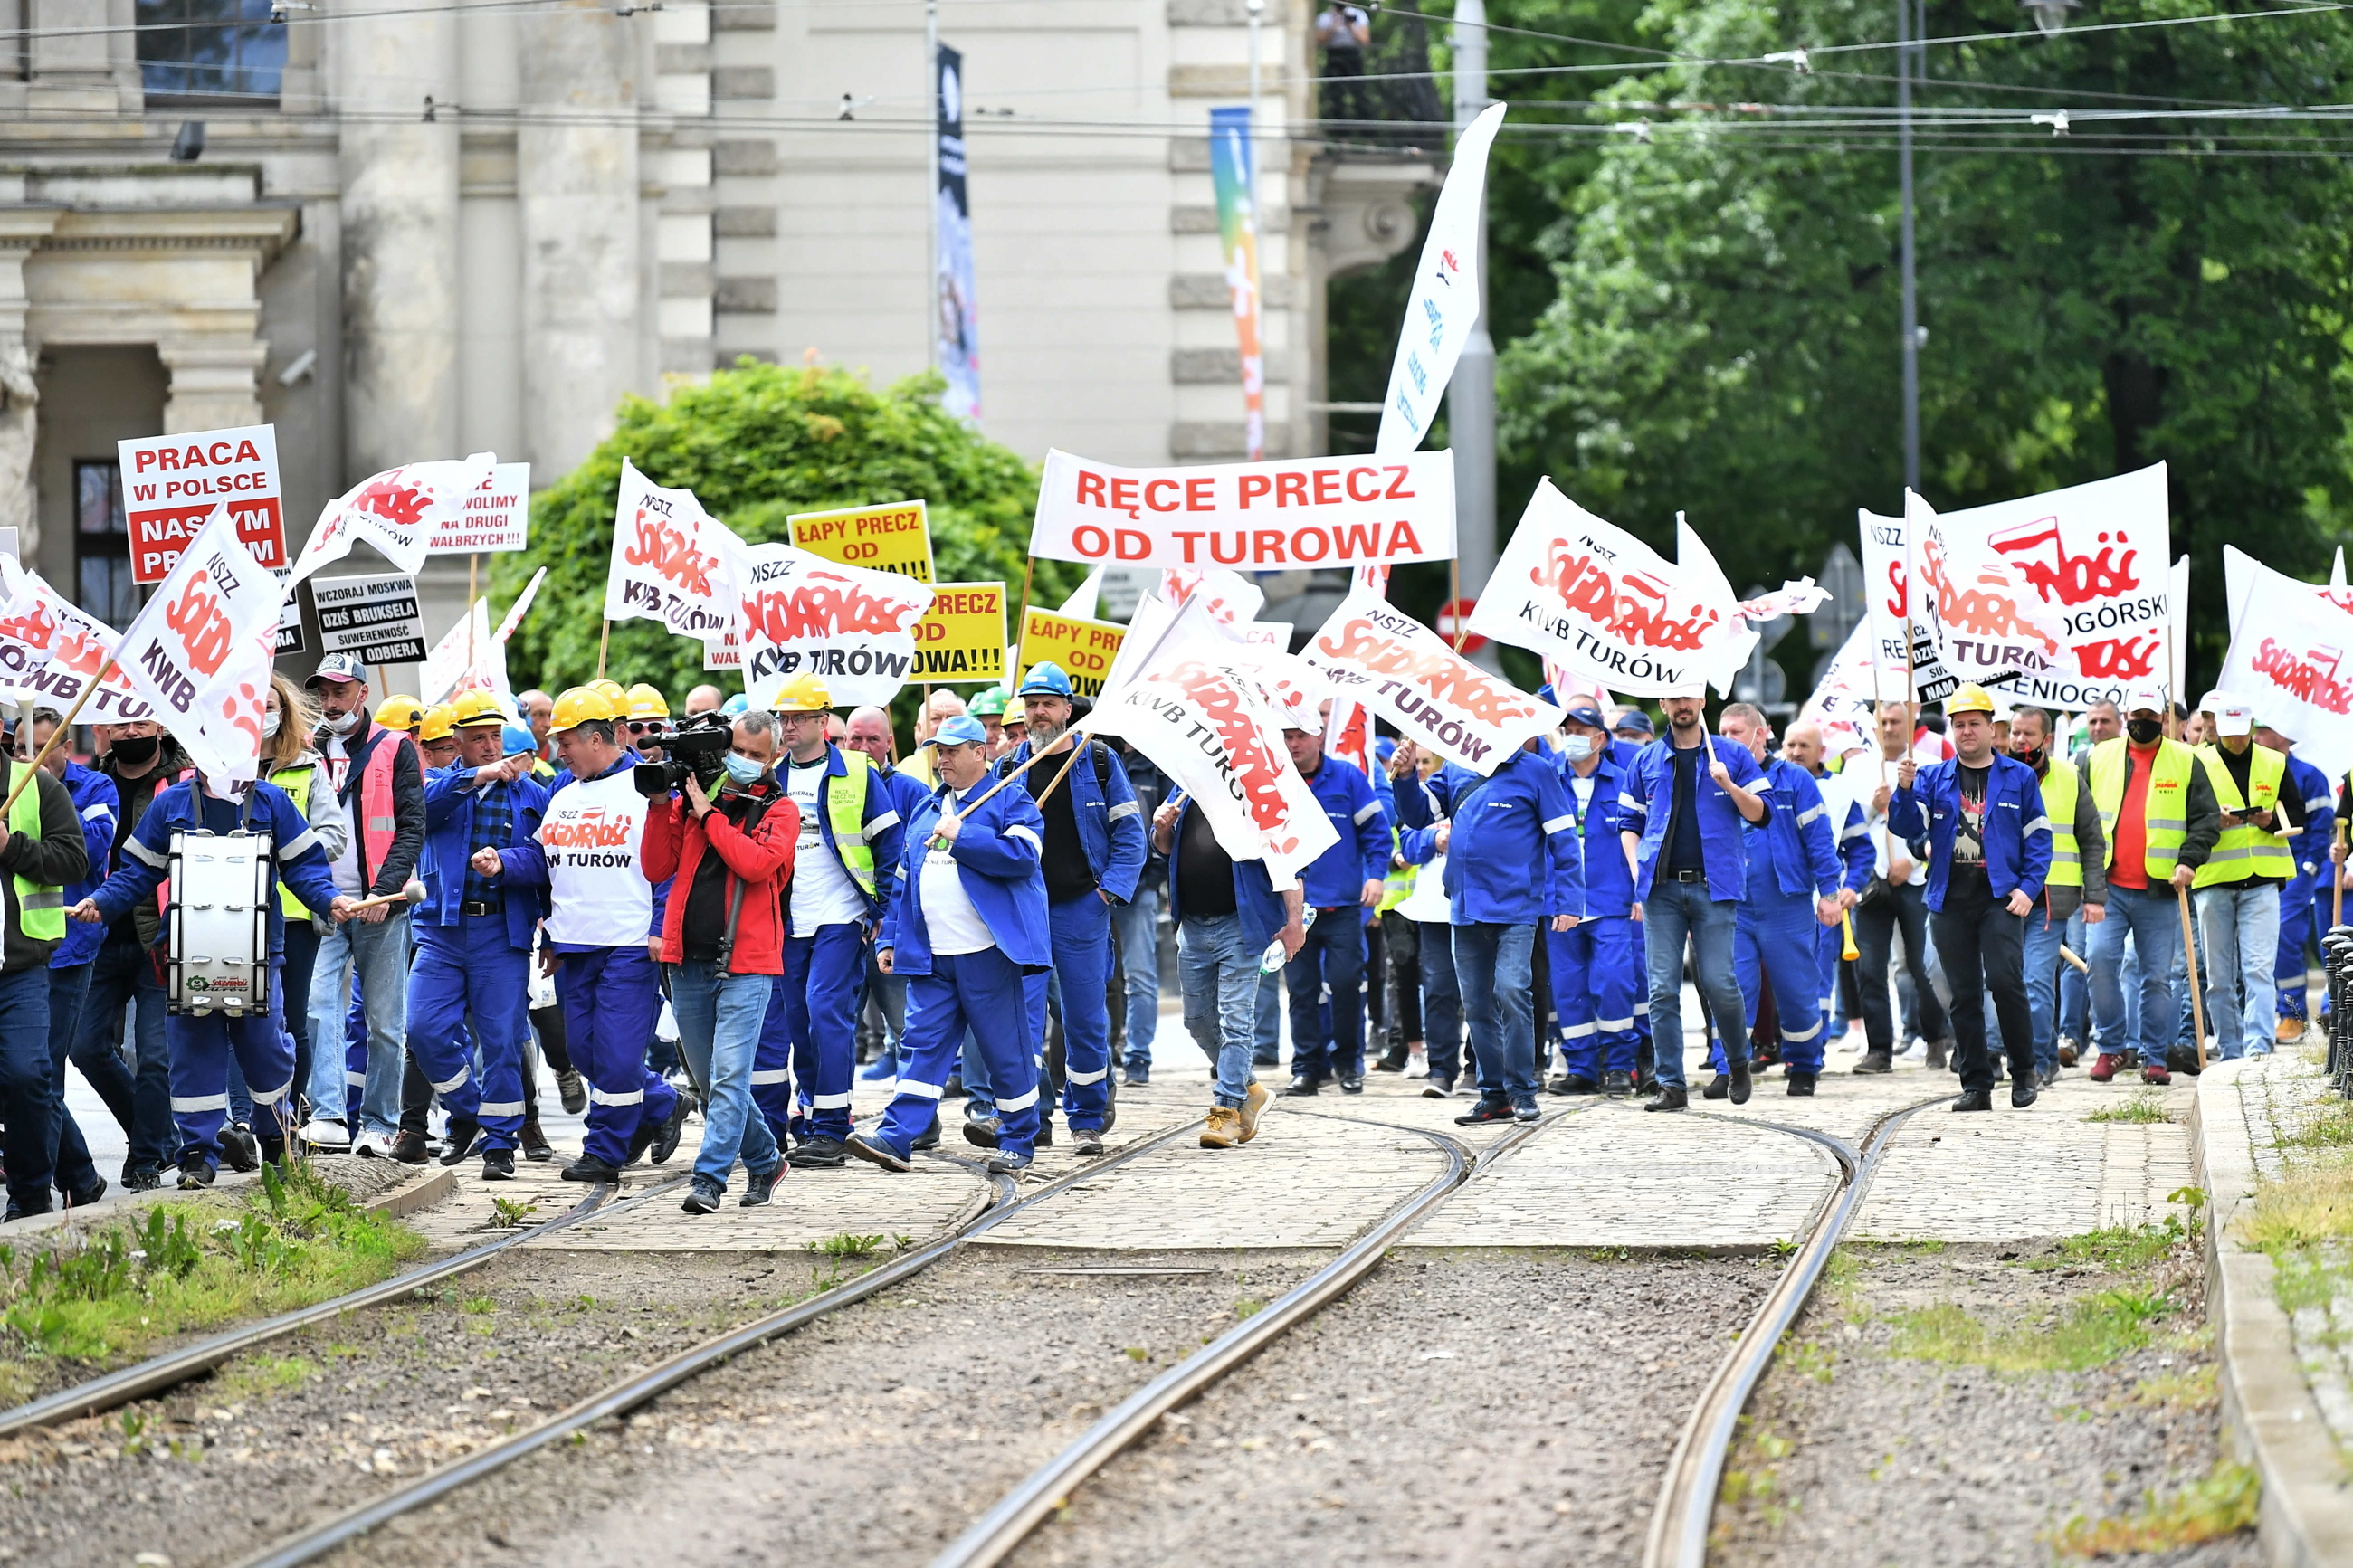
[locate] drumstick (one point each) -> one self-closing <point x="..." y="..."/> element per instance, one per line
<point x="414" y="893"/>
<point x="2069" y="954"/>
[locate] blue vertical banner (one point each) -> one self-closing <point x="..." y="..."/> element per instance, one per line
<point x="956" y="310"/>
<point x="1233" y="174"/>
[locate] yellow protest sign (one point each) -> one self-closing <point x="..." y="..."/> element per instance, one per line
<point x="894" y="538"/>
<point x="1083" y="648"/>
<point x="962" y="636"/>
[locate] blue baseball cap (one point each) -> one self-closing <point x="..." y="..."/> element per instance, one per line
<point x="514" y="741"/>
<point x="963" y="730"/>
<point x="1587" y="714"/>
<point x="1045" y="679"/>
<point x="1636" y="720"/>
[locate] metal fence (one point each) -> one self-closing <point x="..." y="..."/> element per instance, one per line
<point x="1383" y="96"/>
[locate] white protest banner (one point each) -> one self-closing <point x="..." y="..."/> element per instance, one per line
<point x="376" y="616"/>
<point x="1199" y="711"/>
<point x="1275" y="634"/>
<point x="1844" y="705"/>
<point x="798" y="614"/>
<point x="171" y="484"/>
<point x="1227" y="597"/>
<point x="521" y="607"/>
<point x="1377" y="654"/>
<point x="468" y="658"/>
<point x="2179" y="634"/>
<point x="199" y="652"/>
<point x="397" y="512"/>
<point x="1886" y="576"/>
<point x="1254" y="516"/>
<point x="496" y="516"/>
<point x="1987" y="625"/>
<point x="672" y="561"/>
<point x="2287" y="661"/>
<point x="1445" y="302"/>
<point x="50" y="652"/>
<point x="1587" y="594"/>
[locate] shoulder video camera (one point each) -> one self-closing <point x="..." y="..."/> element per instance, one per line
<point x="698" y="747"/>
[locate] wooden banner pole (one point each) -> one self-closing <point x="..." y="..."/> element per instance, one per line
<point x="24" y="774"/>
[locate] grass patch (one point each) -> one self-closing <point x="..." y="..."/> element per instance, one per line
<point x="2148" y="1107"/>
<point x="2091" y="1333"/>
<point x="2331" y="1127"/>
<point x="2223" y="1504"/>
<point x="2196" y="1389"/>
<point x="2304" y="1220"/>
<point x="845" y="1245"/>
<point x="1248" y="1307"/>
<point x="2118" y="1247"/>
<point x="252" y="1376"/>
<point x="291" y="1241"/>
<point x="1804" y="1358"/>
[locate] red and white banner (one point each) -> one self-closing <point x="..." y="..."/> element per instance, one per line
<point x="496" y="515"/>
<point x="1587" y="594"/>
<point x="2287" y="660"/>
<point x="199" y="652"/>
<point x="672" y="561"/>
<point x="397" y="512"/>
<point x="1844" y="706"/>
<point x="1886" y="570"/>
<point x="1229" y="598"/>
<point x="798" y="614"/>
<point x="1252" y="516"/>
<point x="171" y="484"/>
<point x="50" y="652"/>
<point x="1375" y="654"/>
<point x="1201" y="712"/>
<point x="521" y="607"/>
<point x="470" y="657"/>
<point x="1988" y="625"/>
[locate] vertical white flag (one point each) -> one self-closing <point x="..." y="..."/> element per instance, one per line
<point x="1445" y="302"/>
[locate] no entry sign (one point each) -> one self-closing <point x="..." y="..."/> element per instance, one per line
<point x="171" y="484"/>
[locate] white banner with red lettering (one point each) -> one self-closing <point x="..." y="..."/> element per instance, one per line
<point x="1572" y="588"/>
<point x="798" y="614"/>
<point x="2287" y="659"/>
<point x="50" y="652"/>
<point x="470" y="656"/>
<point x="1251" y="517"/>
<point x="199" y="653"/>
<point x="1886" y="575"/>
<point x="1975" y="605"/>
<point x="1201" y="711"/>
<point x="1844" y="705"/>
<point x="398" y="511"/>
<point x="1375" y="653"/>
<point x="672" y="561"/>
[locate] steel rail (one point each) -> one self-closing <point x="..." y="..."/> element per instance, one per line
<point x="159" y="1373"/>
<point x="1019" y="1511"/>
<point x="621" y="1397"/>
<point x="1679" y="1524"/>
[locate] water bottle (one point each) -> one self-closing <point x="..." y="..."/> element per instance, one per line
<point x="1275" y="957"/>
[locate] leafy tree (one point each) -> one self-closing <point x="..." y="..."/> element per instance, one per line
<point x="756" y="444"/>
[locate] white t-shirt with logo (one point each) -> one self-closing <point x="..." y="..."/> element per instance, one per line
<point x="591" y="834"/>
<point x="955" y="924"/>
<point x="823" y="893"/>
<point x="345" y="870"/>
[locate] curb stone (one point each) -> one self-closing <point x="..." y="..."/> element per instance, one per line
<point x="2270" y="1420"/>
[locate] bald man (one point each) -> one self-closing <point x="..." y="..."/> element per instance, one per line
<point x="944" y="705"/>
<point x="703" y="699"/>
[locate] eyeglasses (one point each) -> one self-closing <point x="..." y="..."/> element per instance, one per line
<point x="636" y="728"/>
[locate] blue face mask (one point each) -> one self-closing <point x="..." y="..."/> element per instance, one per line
<point x="744" y="770"/>
<point x="1576" y="748"/>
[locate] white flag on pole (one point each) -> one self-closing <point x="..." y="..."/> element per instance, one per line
<point x="1445" y="302"/>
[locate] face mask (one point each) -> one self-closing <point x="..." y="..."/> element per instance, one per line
<point x="2033" y="759"/>
<point x="2144" y="730"/>
<point x="344" y="725"/>
<point x="136" y="750"/>
<point x="744" y="770"/>
<point x="1577" y="747"/>
<point x="269" y="723"/>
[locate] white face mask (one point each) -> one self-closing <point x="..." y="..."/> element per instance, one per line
<point x="1576" y="748"/>
<point x="344" y="724"/>
<point x="270" y="725"/>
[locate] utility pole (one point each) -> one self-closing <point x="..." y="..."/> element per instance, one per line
<point x="1470" y="395"/>
<point x="1904" y="48"/>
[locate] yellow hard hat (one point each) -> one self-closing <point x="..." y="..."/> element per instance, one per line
<point x="581" y="704"/>
<point x="472" y="707"/>
<point x="1969" y="699"/>
<point x="802" y="694"/>
<point x="611" y="692"/>
<point x="438" y="722"/>
<point x="400" y="713"/>
<point x="645" y="703"/>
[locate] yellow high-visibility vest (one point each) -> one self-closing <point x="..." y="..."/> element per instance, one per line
<point x="2246" y="851"/>
<point x="2059" y="787"/>
<point x="2165" y="812"/>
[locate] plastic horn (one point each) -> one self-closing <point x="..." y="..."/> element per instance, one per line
<point x="414" y="893"/>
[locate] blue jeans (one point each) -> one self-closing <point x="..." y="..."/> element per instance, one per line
<point x="1137" y="925"/>
<point x="2239" y="923"/>
<point x="2042" y="938"/>
<point x="1676" y="913"/>
<point x="123" y="976"/>
<point x="69" y="1161"/>
<point x="2151" y="917"/>
<point x="380" y="955"/>
<point x="2074" y="1019"/>
<point x="719" y="1018"/>
<point x="1222" y="987"/>
<point x="1266" y="1025"/>
<point x="1494" y="965"/>
<point x="26" y="1088"/>
<point x="1333" y="961"/>
<point x="1441" y="1002"/>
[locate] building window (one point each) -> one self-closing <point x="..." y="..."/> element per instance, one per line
<point x="210" y="50"/>
<point x="103" y="544"/>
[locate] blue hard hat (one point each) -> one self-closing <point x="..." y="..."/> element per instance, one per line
<point x="514" y="741"/>
<point x="735" y="707"/>
<point x="964" y="729"/>
<point x="1046" y="679"/>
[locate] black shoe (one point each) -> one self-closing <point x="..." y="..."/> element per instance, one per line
<point x="1973" y="1100"/>
<point x="588" y="1168"/>
<point x="1437" y="1088"/>
<point x="1007" y="1161"/>
<point x="145" y="1181"/>
<point x="1138" y="1074"/>
<point x="1618" y="1083"/>
<point x="1669" y="1100"/>
<point x="1874" y="1061"/>
<point x="642" y="1139"/>
<point x="673" y="1128"/>
<point x="875" y="1152"/>
<point x="1647" y="1085"/>
<point x="2181" y="1059"/>
<point x="1560" y="1085"/>
<point x="273" y="1148"/>
<point x="1392" y="1060"/>
<point x="1575" y="1083"/>
<point x="1305" y="1085"/>
<point x="1717" y="1086"/>
<point x="956" y="1088"/>
<point x="1352" y="1085"/>
<point x="819" y="1155"/>
<point x="703" y="1198"/>
<point x="1741" y="1081"/>
<point x="1940" y="1053"/>
<point x="931" y="1135"/>
<point x="239" y="1151"/>
<point x="498" y="1165"/>
<point x="2022" y="1092"/>
<point x="1045" y="1139"/>
<point x="758" y="1190"/>
<point x="535" y="1146"/>
<point x="462" y="1142"/>
<point x="1801" y="1085"/>
<point x="1086" y="1140"/>
<point x="87" y="1195"/>
<point x="1485" y="1110"/>
<point x="983" y="1131"/>
<point x="196" y="1178"/>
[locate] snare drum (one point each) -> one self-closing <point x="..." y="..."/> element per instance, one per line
<point x="218" y="923"/>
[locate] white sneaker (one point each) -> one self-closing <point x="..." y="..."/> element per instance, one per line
<point x="1854" y="1040"/>
<point x="321" y="1134"/>
<point x="372" y="1146"/>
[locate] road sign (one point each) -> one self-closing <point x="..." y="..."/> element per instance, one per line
<point x="1451" y="618"/>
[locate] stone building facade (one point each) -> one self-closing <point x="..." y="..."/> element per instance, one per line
<point x="402" y="234"/>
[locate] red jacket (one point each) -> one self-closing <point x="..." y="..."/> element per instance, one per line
<point x="762" y="859"/>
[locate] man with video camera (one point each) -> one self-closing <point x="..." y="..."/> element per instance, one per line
<point x="727" y="835"/>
